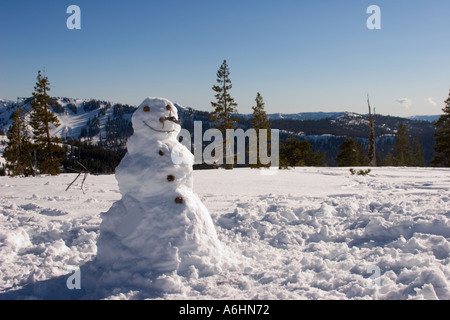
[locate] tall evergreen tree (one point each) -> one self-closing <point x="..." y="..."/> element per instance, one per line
<point x="19" y="148"/>
<point x="349" y="155"/>
<point x="259" y="118"/>
<point x="42" y="120"/>
<point x="442" y="138"/>
<point x="298" y="153"/>
<point x="363" y="159"/>
<point x="224" y="106"/>
<point x="260" y="122"/>
<point x="389" y="160"/>
<point x="402" y="148"/>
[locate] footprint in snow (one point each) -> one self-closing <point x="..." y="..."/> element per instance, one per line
<point x="53" y="212"/>
<point x="43" y="211"/>
<point x="30" y="207"/>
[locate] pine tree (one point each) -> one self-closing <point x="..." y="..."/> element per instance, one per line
<point x="42" y="120"/>
<point x="402" y="148"/>
<point x="260" y="122"/>
<point x="442" y="138"/>
<point x="224" y="106"/>
<point x="298" y="153"/>
<point x="19" y="148"/>
<point x="259" y="119"/>
<point x="417" y="159"/>
<point x="349" y="154"/>
<point x="389" y="160"/>
<point x="379" y="159"/>
<point x="363" y="158"/>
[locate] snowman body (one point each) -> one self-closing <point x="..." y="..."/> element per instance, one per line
<point x="159" y="226"/>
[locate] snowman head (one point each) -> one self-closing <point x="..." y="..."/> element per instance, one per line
<point x="156" y="116"/>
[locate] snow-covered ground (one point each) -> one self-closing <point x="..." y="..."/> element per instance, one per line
<point x="306" y="233"/>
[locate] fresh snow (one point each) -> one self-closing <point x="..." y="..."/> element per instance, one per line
<point x="305" y="233"/>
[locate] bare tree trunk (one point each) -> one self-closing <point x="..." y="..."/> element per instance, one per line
<point x="371" y="150"/>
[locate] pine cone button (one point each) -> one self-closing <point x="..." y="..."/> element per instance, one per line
<point x="161" y="153"/>
<point x="170" y="178"/>
<point x="179" y="200"/>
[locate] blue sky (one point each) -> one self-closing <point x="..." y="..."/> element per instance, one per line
<point x="302" y="56"/>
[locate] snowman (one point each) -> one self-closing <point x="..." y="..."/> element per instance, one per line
<point x="160" y="226"/>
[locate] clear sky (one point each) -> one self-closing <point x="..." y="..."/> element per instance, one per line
<point x="301" y="55"/>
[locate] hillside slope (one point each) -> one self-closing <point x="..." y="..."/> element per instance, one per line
<point x="109" y="125"/>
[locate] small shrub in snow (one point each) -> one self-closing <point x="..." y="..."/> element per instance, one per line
<point x="360" y="172"/>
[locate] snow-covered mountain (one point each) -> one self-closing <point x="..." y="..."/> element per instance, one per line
<point x="89" y="118"/>
<point x="78" y="118"/>
<point x="299" y="116"/>
<point x="306" y="115"/>
<point x="330" y="115"/>
<point x="81" y="118"/>
<point x="109" y="125"/>
<point x="425" y="118"/>
<point x="95" y="119"/>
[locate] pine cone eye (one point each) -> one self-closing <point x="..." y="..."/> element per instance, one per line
<point x="146" y="109"/>
<point x="168" y="108"/>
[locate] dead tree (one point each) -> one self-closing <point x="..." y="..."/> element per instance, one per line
<point x="85" y="172"/>
<point x="371" y="154"/>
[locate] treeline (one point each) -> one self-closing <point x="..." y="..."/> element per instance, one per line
<point x="402" y="149"/>
<point x="36" y="152"/>
<point x="346" y="127"/>
<point x="94" y="158"/>
<point x="406" y="152"/>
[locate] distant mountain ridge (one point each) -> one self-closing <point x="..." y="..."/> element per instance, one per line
<point x="109" y="125"/>
<point x="300" y="115"/>
<point x="329" y="115"/>
<point x="431" y="118"/>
